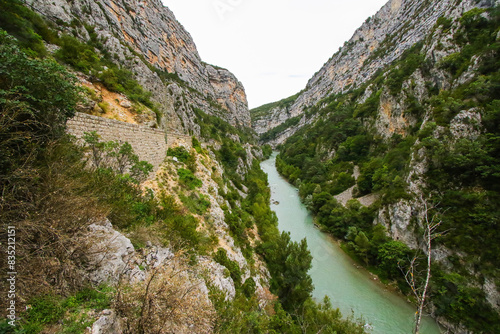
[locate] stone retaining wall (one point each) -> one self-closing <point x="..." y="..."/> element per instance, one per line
<point x="149" y="144"/>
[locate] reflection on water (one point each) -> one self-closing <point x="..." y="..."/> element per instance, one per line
<point x="350" y="288"/>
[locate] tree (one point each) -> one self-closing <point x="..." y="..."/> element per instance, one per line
<point x="289" y="265"/>
<point x="391" y="256"/>
<point x="362" y="245"/>
<point x="36" y="98"/>
<point x="420" y="290"/>
<point x="116" y="156"/>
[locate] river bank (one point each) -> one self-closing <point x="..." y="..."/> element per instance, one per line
<point x="352" y="289"/>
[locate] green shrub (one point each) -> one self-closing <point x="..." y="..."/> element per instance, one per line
<point x="369" y="107"/>
<point x="180" y="153"/>
<point x="115" y="156"/>
<point x="77" y="54"/>
<point x="187" y="226"/>
<point x="28" y="27"/>
<point x="267" y="150"/>
<point x="233" y="267"/>
<point x="196" y="144"/>
<point x="444" y="22"/>
<point x="197" y="204"/>
<point x="274" y="132"/>
<point x="32" y="112"/>
<point x="289" y="263"/>
<point x="392" y="256"/>
<point x="249" y="287"/>
<point x="458" y="301"/>
<point x="455" y="63"/>
<point x="49" y="309"/>
<point x="408" y="63"/>
<point x="188" y="179"/>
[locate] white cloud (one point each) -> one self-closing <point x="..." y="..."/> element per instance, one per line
<point x="272" y="46"/>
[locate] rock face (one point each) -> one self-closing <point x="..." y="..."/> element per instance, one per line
<point x="108" y="323"/>
<point x="145" y="37"/>
<point x="373" y="60"/>
<point x="114" y="254"/>
<point x="378" y="42"/>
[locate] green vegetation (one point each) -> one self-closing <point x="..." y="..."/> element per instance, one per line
<point x="408" y="63"/>
<point x="49" y="309"/>
<point x="183" y="156"/>
<point x="52" y="189"/>
<point x="262" y="111"/>
<point x="195" y="203"/>
<point x="290" y="280"/>
<point x="28" y="27"/>
<point x="188" y="179"/>
<point x="213" y="127"/>
<point x="37" y="158"/>
<point x="112" y="155"/>
<point x="290" y="259"/>
<point x="244" y="316"/>
<point x="232" y="266"/>
<point x="83" y="57"/>
<point x="196" y="145"/>
<point x="462" y="177"/>
<point x="90" y="58"/>
<point x="267" y="150"/>
<point x="271" y="134"/>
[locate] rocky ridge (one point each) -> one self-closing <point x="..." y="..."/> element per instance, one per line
<point x="145" y="37"/>
<point x="114" y="260"/>
<point x="382" y="39"/>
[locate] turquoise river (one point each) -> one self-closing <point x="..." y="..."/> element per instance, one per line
<point x="351" y="289"/>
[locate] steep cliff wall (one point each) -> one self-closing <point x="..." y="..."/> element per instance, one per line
<point x="145" y="37"/>
<point x="423" y="131"/>
<point x="378" y="42"/>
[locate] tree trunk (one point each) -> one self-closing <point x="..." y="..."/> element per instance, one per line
<point x="427" y="279"/>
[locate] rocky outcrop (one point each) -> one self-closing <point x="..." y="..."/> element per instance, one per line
<point x="145" y="37"/>
<point x="108" y="323"/>
<point x="381" y="40"/>
<point x="218" y="277"/>
<point x="113" y="256"/>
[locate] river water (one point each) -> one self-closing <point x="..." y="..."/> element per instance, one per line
<point x="351" y="289"/>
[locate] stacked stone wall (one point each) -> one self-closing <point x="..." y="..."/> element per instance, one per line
<point x="149" y="144"/>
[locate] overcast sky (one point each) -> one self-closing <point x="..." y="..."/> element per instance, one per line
<point x="272" y="46"/>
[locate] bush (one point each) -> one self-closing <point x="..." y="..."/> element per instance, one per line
<point x="44" y="310"/>
<point x="233" y="267"/>
<point x="180" y="153"/>
<point x="289" y="263"/>
<point x="196" y="144"/>
<point x="196" y="204"/>
<point x="249" y="287"/>
<point x="168" y="302"/>
<point x="392" y="256"/>
<point x="188" y="179"/>
<point x="49" y="309"/>
<point x="28" y="27"/>
<point x="40" y="95"/>
<point x="115" y="156"/>
<point x="80" y="56"/>
<point x="187" y="226"/>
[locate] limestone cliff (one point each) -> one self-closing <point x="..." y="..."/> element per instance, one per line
<point x="145" y="37"/>
<point x="383" y="38"/>
<point x="417" y="113"/>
